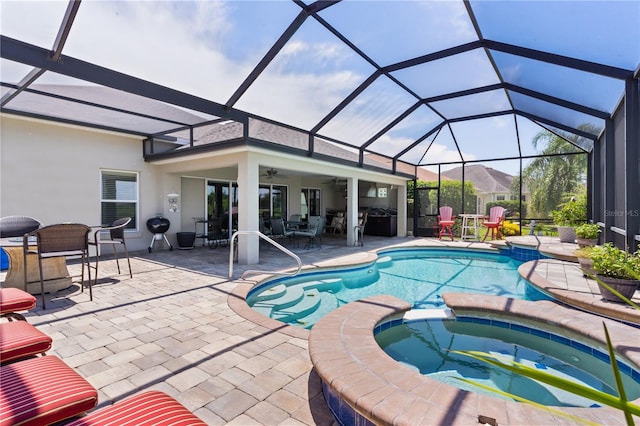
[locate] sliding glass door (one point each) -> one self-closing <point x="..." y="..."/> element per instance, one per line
<point x="272" y="201"/>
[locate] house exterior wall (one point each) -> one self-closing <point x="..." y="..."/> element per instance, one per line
<point x="52" y="173"/>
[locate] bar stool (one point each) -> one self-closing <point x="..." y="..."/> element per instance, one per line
<point x="446" y="221"/>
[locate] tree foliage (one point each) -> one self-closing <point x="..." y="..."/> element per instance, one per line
<point x="549" y="178"/>
<point x="450" y="194"/>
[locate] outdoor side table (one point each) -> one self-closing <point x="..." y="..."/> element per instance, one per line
<point x="471" y="222"/>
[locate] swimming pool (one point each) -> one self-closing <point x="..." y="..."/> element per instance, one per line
<point x="426" y="345"/>
<point x="418" y="275"/>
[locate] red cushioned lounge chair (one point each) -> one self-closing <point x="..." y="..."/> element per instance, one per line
<point x="19" y="339"/>
<point x="152" y="408"/>
<point x="14" y="300"/>
<point x="43" y="391"/>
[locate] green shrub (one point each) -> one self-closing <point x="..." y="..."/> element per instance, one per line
<point x="610" y="261"/>
<point x="571" y="213"/>
<point x="512" y="207"/>
<point x="588" y="230"/>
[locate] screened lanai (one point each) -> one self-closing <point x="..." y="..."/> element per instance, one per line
<point x="398" y="85"/>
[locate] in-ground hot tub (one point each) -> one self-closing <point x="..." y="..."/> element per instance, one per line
<point x="363" y="385"/>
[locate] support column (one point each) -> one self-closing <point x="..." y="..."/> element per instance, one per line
<point x="402" y="211"/>
<point x="609" y="189"/>
<point x="248" y="181"/>
<point x="352" y="209"/>
<point x="632" y="158"/>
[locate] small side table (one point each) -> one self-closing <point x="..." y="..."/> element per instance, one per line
<point x="471" y="221"/>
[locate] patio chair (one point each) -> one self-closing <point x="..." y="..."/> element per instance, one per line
<point x="314" y="232"/>
<point x="446" y="219"/>
<point x="278" y="230"/>
<point x="359" y="228"/>
<point x="61" y="240"/>
<point x="337" y="224"/>
<point x="494" y="222"/>
<point x="116" y="238"/>
<point x="295" y="218"/>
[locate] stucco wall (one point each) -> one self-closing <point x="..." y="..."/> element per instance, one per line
<point x="52" y="173"/>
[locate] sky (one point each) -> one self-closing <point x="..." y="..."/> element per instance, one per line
<point x="208" y="48"/>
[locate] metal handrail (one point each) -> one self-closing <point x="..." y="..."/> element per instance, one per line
<point x="273" y="243"/>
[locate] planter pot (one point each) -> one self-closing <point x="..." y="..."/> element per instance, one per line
<point x="186" y="240"/>
<point x="586" y="265"/>
<point x="586" y="242"/>
<point x="625" y="287"/>
<point x="567" y="234"/>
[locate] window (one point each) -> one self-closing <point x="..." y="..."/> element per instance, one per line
<point x="119" y="197"/>
<point x="500" y="197"/>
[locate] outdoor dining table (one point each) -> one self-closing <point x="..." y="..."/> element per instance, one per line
<point x="54" y="269"/>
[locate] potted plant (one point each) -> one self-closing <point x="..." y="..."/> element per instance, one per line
<point x="617" y="269"/>
<point x="587" y="234"/>
<point x="568" y="217"/>
<point x="584" y="259"/>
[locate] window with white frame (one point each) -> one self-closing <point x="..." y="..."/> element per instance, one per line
<point x="119" y="196"/>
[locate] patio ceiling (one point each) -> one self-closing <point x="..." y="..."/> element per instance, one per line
<point x="413" y="82"/>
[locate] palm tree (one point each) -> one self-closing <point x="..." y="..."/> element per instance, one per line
<point x="558" y="172"/>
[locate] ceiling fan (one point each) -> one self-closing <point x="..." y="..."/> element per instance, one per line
<point x="336" y="182"/>
<point x="271" y="173"/>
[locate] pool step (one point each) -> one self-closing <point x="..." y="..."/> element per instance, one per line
<point x="307" y="306"/>
<point x="330" y="284"/>
<point x="288" y="303"/>
<point x="384" y="262"/>
<point x="271" y="293"/>
<point x="290" y="297"/>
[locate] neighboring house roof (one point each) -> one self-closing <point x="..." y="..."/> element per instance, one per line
<point x="429" y="176"/>
<point x="484" y="179"/>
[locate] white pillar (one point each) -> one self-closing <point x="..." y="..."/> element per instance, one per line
<point x="402" y="211"/>
<point x="248" y="182"/>
<point x="352" y="209"/>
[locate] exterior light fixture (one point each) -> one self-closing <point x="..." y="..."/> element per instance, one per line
<point x="173" y="202"/>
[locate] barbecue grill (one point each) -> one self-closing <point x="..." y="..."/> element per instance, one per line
<point x="158" y="226"/>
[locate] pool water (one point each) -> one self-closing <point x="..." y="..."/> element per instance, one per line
<point x="419" y="276"/>
<point x="425" y="346"/>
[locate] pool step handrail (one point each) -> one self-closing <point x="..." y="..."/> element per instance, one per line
<point x="270" y="241"/>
